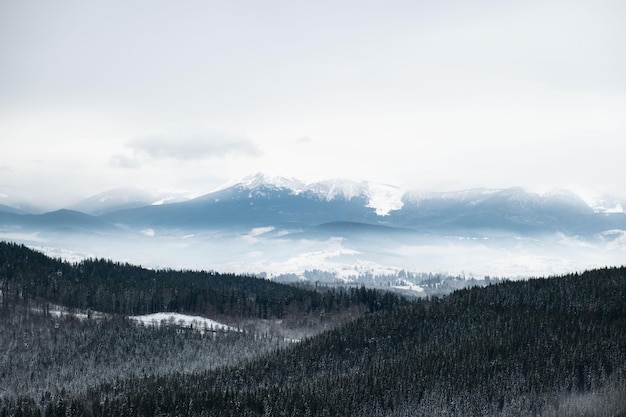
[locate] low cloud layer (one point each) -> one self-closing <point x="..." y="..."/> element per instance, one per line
<point x="184" y="148"/>
<point x="212" y="145"/>
<point x="123" y="161"/>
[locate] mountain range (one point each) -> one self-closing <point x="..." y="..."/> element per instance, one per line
<point x="338" y="205"/>
<point x="285" y="226"/>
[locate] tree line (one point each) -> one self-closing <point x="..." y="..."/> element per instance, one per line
<point x="27" y="276"/>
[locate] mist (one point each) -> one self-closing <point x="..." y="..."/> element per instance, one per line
<point x="272" y="253"/>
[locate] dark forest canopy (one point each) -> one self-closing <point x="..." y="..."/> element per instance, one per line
<point x="120" y="288"/>
<point x="546" y="347"/>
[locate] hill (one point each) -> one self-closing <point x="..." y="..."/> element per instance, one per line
<point x="554" y="347"/>
<point x="547" y="346"/>
<point x="28" y="277"/>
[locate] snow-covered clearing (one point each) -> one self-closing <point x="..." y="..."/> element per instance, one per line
<point x="182" y="320"/>
<point x="199" y="323"/>
<point x="415" y="288"/>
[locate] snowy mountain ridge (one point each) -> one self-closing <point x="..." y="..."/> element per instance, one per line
<point x="280" y="225"/>
<point x="386" y="198"/>
<point x="381" y="197"/>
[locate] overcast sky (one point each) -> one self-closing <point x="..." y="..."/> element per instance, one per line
<point x="425" y="95"/>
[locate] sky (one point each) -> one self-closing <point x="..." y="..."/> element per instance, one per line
<point x="425" y="95"/>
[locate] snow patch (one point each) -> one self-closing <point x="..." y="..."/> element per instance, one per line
<point x="255" y="234"/>
<point x="258" y="231"/>
<point x="384" y="198"/>
<point x="182" y="320"/>
<point x="600" y="203"/>
<point x="414" y="288"/>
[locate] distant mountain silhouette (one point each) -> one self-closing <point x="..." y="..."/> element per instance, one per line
<point x="338" y="207"/>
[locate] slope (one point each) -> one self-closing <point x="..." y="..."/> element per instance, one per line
<point x="46" y="354"/>
<point x="542" y="347"/>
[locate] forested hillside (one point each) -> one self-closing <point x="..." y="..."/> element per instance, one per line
<point x="543" y="347"/>
<point x="42" y="356"/>
<point x="28" y="277"/>
<point x="64" y="326"/>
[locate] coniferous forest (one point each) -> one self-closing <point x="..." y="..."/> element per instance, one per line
<point x="553" y="346"/>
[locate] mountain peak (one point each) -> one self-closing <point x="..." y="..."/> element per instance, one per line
<point x="261" y="180"/>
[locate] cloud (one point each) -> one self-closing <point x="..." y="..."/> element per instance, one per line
<point x="192" y="147"/>
<point x="123" y="161"/>
<point x="304" y="139"/>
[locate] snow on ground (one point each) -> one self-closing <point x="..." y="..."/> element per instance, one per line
<point x="149" y="232"/>
<point x="182" y="320"/>
<point x="156" y="319"/>
<point x="414" y="288"/>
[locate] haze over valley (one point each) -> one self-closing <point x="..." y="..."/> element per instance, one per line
<point x="278" y="227"/>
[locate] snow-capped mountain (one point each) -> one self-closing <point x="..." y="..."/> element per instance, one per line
<point x="381" y="197"/>
<point x="512" y="209"/>
<point x="281" y="225"/>
<point x="261" y="181"/>
<point x="349" y="207"/>
<point x="259" y="201"/>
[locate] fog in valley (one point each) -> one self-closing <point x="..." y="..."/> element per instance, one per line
<point x="271" y="253"/>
